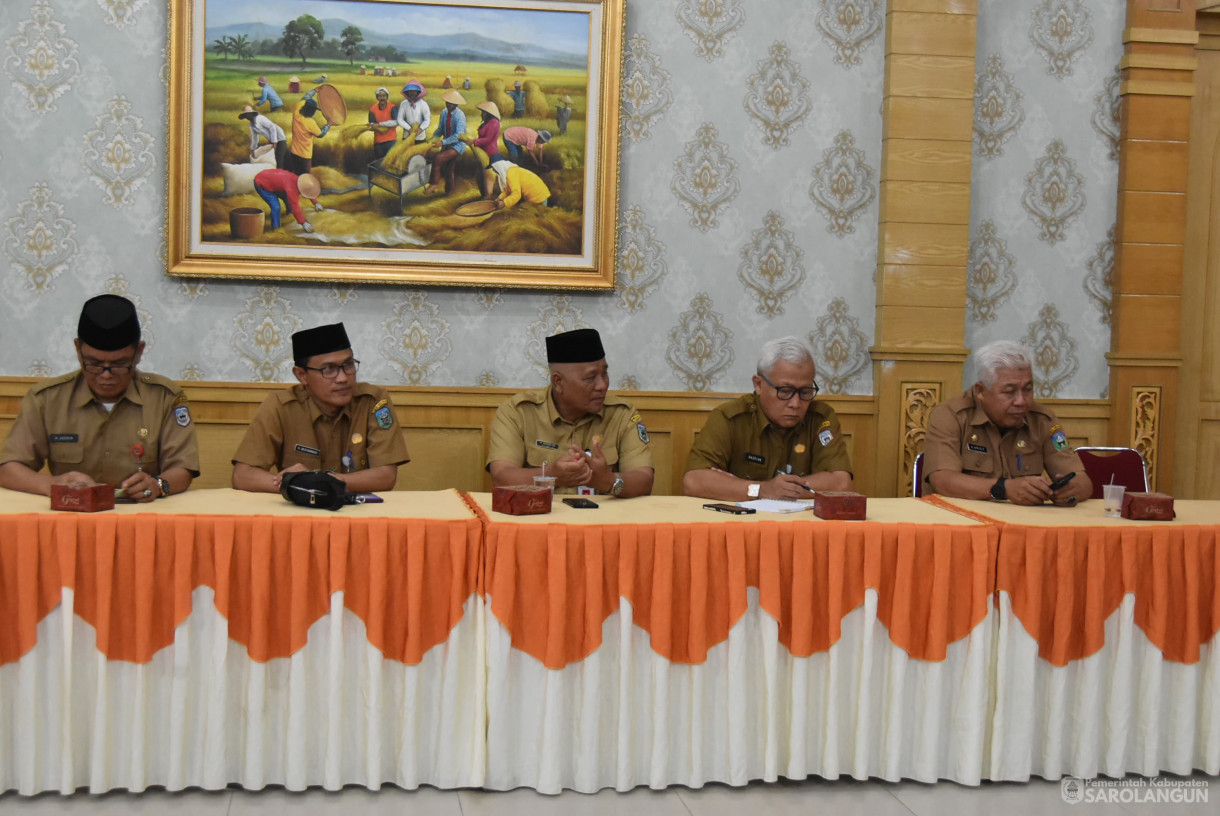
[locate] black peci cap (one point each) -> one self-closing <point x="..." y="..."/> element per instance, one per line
<point x="319" y="340"/>
<point x="577" y="346"/>
<point x="108" y="323"/>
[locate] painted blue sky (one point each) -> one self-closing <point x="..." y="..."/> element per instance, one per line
<point x="560" y="30"/>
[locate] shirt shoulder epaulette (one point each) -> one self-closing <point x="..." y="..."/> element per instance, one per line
<point x="737" y="407"/>
<point x="158" y="381"/>
<point x="53" y="382"/>
<point x="536" y="397"/>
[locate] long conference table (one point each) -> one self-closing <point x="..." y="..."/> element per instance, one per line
<point x="222" y="638"/>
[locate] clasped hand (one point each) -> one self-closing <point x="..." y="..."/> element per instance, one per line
<point x="785" y="487"/>
<point x="576" y="467"/>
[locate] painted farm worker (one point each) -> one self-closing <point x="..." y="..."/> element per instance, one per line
<point x="328" y="421"/>
<point x="383" y="117"/>
<point x="488" y="141"/>
<point x="268" y="96"/>
<point x="448" y="147"/>
<point x="108" y="422"/>
<point x="995" y="442"/>
<point x="263" y="128"/>
<point x="518" y="184"/>
<point x="779" y="442"/>
<point x="414" y="117"/>
<point x="583" y="435"/>
<point x="518" y="96"/>
<point x="563" y="113"/>
<point x="448" y="83"/>
<point x="304" y="130"/>
<point x="466" y="84"/>
<point x="274" y="186"/>
<point x="520" y="140"/>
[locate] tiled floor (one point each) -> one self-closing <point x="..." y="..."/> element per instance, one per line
<point x="809" y="798"/>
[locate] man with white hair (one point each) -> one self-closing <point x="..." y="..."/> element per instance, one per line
<point x="776" y="443"/>
<point x="995" y="442"/>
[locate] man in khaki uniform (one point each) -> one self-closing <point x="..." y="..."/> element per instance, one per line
<point x="329" y="421"/>
<point x="995" y="442"/>
<point x="106" y="423"/>
<point x="776" y="443"/>
<point x="583" y="436"/>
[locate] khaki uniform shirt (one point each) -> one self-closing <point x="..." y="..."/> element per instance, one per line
<point x="962" y="439"/>
<point x="289" y="428"/>
<point x="528" y="431"/>
<point x="738" y="438"/>
<point x="62" y="425"/>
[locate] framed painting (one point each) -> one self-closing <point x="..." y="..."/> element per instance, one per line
<point x="456" y="143"/>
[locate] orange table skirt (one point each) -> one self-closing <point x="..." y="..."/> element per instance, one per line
<point x="273" y="576"/>
<point x="1066" y="581"/>
<point x="553" y="585"/>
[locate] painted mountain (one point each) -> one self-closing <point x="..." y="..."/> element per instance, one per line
<point x="465" y="47"/>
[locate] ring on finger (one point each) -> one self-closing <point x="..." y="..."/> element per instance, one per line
<point x="147" y="492"/>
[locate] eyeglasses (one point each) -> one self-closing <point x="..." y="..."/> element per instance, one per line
<point x="787" y="392"/>
<point x="330" y="371"/>
<point x="116" y="368"/>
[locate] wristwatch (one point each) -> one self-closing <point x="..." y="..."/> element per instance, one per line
<point x="752" y="490"/>
<point x="616" y="489"/>
<point x="997" y="490"/>
<point x="163" y="484"/>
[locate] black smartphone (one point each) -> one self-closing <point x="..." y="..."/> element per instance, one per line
<point x="720" y="507"/>
<point x="581" y="503"/>
<point x="1062" y="480"/>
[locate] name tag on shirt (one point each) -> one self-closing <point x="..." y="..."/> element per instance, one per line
<point x="977" y="448"/>
<point x="756" y="458"/>
<point x="64" y="438"/>
<point x="551" y="445"/>
<point x="308" y="450"/>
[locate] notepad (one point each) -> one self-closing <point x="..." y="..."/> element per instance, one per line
<point x="777" y="506"/>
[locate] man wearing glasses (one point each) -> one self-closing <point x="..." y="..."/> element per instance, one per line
<point x="106" y="423"/>
<point x="777" y="443"/>
<point x="329" y="421"/>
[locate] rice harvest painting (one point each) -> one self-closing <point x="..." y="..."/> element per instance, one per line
<point x="458" y="143"/>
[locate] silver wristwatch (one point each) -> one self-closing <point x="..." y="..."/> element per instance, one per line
<point x="616" y="489"/>
<point x="752" y="490"/>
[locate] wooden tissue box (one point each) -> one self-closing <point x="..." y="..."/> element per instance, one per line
<point x="1148" y="506"/>
<point x="521" y="500"/>
<point x="82" y="498"/>
<point x="836" y="504"/>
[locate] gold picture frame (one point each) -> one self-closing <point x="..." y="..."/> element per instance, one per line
<point x="388" y="224"/>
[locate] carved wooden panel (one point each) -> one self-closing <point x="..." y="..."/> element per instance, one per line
<point x="918" y="400"/>
<point x="1146" y="425"/>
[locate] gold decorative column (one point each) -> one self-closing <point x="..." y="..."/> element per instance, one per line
<point x="1158" y="68"/>
<point x="924" y="224"/>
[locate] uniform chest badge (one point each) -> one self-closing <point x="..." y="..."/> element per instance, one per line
<point x="182" y="415"/>
<point x="642" y="431"/>
<point x="385" y="418"/>
<point x="142" y="433"/>
<point x="799" y="447"/>
<point x="1020" y="443"/>
<point x="357" y="439"/>
<point x="826" y="436"/>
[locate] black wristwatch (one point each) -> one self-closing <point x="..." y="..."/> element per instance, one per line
<point x="163" y="484"/>
<point x="997" y="490"/>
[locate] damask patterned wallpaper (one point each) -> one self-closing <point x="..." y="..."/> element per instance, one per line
<point x="750" y="151"/>
<point x="1045" y="180"/>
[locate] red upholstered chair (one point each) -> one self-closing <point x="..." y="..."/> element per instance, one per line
<point x="917" y="476"/>
<point x="1124" y="466"/>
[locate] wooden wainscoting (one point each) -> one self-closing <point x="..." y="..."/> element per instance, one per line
<point x="448" y="429"/>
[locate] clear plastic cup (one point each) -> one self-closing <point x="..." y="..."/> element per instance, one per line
<point x="545" y="481"/>
<point x="1112" y="495"/>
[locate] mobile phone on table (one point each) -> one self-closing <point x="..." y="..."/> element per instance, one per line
<point x="721" y="507"/>
<point x="1062" y="480"/>
<point x="581" y="503"/>
<point x="364" y="498"/>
